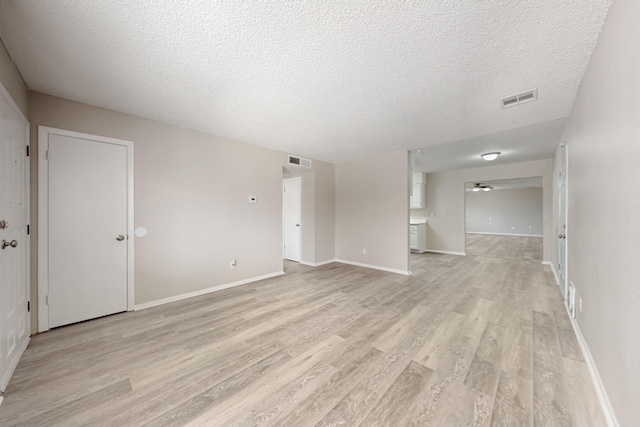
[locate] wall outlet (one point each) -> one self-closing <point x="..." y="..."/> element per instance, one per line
<point x="364" y="251"/>
<point x="233" y="264"/>
<point x="580" y="304"/>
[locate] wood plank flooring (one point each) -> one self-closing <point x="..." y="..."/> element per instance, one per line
<point x="464" y="341"/>
<point x="506" y="247"/>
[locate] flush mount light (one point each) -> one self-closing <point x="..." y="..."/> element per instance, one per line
<point x="484" y="187"/>
<point x="490" y="156"/>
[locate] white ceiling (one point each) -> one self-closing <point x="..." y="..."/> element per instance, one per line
<point x="328" y="80"/>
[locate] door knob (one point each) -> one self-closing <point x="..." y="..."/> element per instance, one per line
<point x="297" y="225"/>
<point x="6" y="244"/>
<point x="3" y="224"/>
<point x="119" y="237"/>
<point x="562" y="236"/>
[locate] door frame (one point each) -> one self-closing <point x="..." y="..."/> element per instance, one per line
<point x="43" y="215"/>
<point x="7" y="96"/>
<point x="284" y="231"/>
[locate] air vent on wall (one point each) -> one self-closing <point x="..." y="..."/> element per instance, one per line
<point x="521" y="98"/>
<point x="299" y="161"/>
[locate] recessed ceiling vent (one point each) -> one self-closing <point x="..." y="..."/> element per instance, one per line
<point x="299" y="161"/>
<point x="521" y="98"/>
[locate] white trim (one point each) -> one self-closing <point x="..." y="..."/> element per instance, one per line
<point x="553" y="270"/>
<point x="505" y="234"/>
<point x="607" y="409"/>
<point x="43" y="215"/>
<point x="375" y="267"/>
<point x="205" y="291"/>
<point x="9" y="373"/>
<point x="435" y="251"/>
<point x="14" y="106"/>
<point x="318" y="264"/>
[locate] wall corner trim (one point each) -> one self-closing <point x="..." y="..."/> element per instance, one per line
<point x="375" y="267"/>
<point x="204" y="291"/>
<point x="607" y="409"/>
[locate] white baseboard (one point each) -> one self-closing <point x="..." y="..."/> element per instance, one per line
<point x="553" y="270"/>
<point x="375" y="267"/>
<point x="14" y="364"/>
<point x="505" y="234"/>
<point x="609" y="415"/>
<point x="318" y="264"/>
<point x="435" y="251"/>
<point x="204" y="291"/>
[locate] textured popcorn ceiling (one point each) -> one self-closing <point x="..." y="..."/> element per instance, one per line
<point x="331" y="80"/>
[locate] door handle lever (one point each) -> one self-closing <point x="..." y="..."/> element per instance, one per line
<point x="6" y="244"/>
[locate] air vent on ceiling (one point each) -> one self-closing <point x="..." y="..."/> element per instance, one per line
<point x="521" y="98"/>
<point x="299" y="161"/>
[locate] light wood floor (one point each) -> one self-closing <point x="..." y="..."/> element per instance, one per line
<point x="465" y="341"/>
<point x="506" y="247"/>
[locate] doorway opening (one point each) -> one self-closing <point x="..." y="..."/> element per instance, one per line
<point x="292" y="219"/>
<point x="504" y="218"/>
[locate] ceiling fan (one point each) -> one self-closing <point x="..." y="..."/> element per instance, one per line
<point x="484" y="187"/>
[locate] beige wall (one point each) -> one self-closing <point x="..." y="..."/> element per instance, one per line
<point x="12" y="81"/>
<point x="445" y="199"/>
<point x="372" y="211"/>
<point x="191" y="192"/>
<point x="509" y="211"/>
<point x="603" y="235"/>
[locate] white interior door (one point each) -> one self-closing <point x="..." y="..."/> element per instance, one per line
<point x="87" y="223"/>
<point x="14" y="239"/>
<point x="562" y="222"/>
<point x="292" y="216"/>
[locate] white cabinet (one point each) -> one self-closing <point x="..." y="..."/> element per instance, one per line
<point x="418" y="237"/>
<point x="417" y="196"/>
<point x="417" y="199"/>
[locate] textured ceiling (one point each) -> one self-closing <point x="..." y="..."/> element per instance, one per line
<point x="331" y="80"/>
<point x="533" y="142"/>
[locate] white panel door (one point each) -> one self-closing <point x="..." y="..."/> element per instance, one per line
<point x="87" y="224"/>
<point x="292" y="217"/>
<point x="562" y="222"/>
<point x="14" y="241"/>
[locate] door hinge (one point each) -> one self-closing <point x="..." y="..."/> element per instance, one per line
<point x="27" y="151"/>
<point x="46" y="300"/>
<point x="558" y="266"/>
<point x="29" y="306"/>
<point x="46" y="155"/>
<point x="28" y="229"/>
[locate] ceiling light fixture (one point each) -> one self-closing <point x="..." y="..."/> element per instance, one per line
<point x="490" y="156"/>
<point x="478" y="186"/>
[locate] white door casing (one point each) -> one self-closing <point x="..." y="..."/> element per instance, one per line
<point x="292" y="216"/>
<point x="85" y="219"/>
<point x="14" y="239"/>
